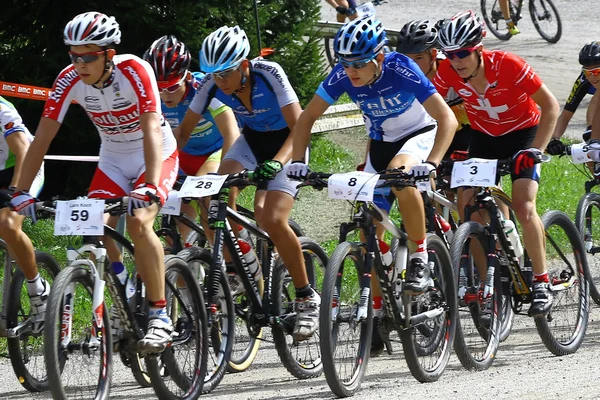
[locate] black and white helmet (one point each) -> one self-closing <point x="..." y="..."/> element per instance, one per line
<point x="464" y="29"/>
<point x="590" y="54"/>
<point x="223" y="49"/>
<point x="92" y="28"/>
<point x="417" y="37"/>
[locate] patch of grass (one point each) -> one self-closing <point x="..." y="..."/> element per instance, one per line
<point x="326" y="156"/>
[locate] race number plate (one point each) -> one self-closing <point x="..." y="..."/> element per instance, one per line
<point x="82" y="217"/>
<point x="474" y="172"/>
<point x="355" y="186"/>
<point x="173" y="204"/>
<point x="202" y="186"/>
<point x="579" y="153"/>
<point x="366" y="9"/>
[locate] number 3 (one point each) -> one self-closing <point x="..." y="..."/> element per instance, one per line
<point x="473" y="170"/>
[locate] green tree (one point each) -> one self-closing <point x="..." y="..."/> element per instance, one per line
<point x="33" y="52"/>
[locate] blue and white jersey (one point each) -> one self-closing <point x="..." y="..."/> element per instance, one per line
<point x="392" y="105"/>
<point x="271" y="91"/>
<point x="205" y="138"/>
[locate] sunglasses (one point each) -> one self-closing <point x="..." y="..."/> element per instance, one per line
<point x="356" y="64"/>
<point x="593" y="71"/>
<point x="224" y="74"/>
<point x="461" y="53"/>
<point x="171" y="88"/>
<point x="85" y="58"/>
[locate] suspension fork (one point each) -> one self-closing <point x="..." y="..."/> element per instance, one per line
<point x="365" y="279"/>
<point x="217" y="214"/>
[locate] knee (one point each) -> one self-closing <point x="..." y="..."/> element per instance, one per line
<point x="10" y="223"/>
<point x="525" y="211"/>
<point x="272" y="222"/>
<point x="138" y="228"/>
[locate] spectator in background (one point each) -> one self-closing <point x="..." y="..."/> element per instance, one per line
<point x="344" y="9"/>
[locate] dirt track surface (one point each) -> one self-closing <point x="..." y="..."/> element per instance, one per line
<point x="523" y="368"/>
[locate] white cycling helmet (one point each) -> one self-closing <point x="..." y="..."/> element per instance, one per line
<point x="224" y="49"/>
<point x="464" y="29"/>
<point x="92" y="28"/>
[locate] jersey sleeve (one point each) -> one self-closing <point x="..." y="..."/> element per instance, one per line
<point x="63" y="91"/>
<point x="203" y="96"/>
<point x="10" y="120"/>
<point x="216" y="107"/>
<point x="442" y="78"/>
<point x="580" y="88"/>
<point x="415" y="81"/>
<point x="523" y="75"/>
<point x="141" y="77"/>
<point x="332" y="88"/>
<point x="278" y="80"/>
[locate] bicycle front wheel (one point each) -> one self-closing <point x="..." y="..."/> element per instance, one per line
<point x="427" y="351"/>
<point x="185" y="359"/>
<point x="587" y="220"/>
<point x="546" y="20"/>
<point x="345" y="341"/>
<point x="78" y="356"/>
<point x="494" y="20"/>
<point x="26" y="351"/>
<point x="563" y="329"/>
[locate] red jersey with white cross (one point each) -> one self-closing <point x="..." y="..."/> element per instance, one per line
<point x="506" y="105"/>
<point x="116" y="108"/>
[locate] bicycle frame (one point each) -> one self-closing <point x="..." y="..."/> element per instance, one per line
<point x="7" y="274"/>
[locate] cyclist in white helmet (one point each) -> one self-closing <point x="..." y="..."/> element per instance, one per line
<point x="120" y="95"/>
<point x="267" y="108"/>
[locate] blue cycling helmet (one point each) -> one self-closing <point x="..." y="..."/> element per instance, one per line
<point x="361" y="38"/>
<point x="224" y="49"/>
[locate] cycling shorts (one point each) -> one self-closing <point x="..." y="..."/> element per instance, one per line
<point x="6" y="176"/>
<point x="190" y="164"/>
<point x="503" y="147"/>
<point x="418" y="145"/>
<point x="116" y="178"/>
<point x="243" y="152"/>
<point x="461" y="141"/>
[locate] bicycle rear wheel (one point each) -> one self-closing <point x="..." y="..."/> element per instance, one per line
<point x="427" y="354"/>
<point x="587" y="220"/>
<point x="79" y="359"/>
<point x="546" y="19"/>
<point x="301" y="359"/>
<point x="563" y="329"/>
<point x="345" y="342"/>
<point x="329" y="53"/>
<point x="494" y="20"/>
<point x="185" y="359"/>
<point x="27" y="350"/>
<point x="477" y="339"/>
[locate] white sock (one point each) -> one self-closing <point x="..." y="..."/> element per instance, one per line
<point x="35" y="287"/>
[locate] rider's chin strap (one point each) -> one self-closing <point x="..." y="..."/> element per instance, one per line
<point x="243" y="83"/>
<point x="377" y="73"/>
<point x="107" y="65"/>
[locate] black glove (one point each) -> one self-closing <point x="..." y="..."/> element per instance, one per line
<point x="341" y="10"/>
<point x="555" y="147"/>
<point x="6" y="195"/>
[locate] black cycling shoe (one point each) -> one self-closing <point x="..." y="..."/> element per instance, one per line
<point x="417" y="277"/>
<point x="377" y="345"/>
<point x="541" y="299"/>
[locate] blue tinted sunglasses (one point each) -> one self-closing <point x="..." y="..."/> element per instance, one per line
<point x="356" y="64"/>
<point x="462" y="53"/>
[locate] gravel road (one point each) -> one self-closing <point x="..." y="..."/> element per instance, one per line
<point x="523" y="368"/>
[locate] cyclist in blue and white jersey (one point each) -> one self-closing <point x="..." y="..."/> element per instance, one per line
<point x="408" y="122"/>
<point x="267" y="108"/>
<point x="199" y="152"/>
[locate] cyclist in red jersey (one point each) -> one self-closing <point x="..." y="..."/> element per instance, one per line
<point x="120" y="95"/>
<point x="501" y="93"/>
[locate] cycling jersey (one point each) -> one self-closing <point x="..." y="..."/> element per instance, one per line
<point x="205" y="138"/>
<point x="392" y="105"/>
<point x="506" y="105"/>
<point x="10" y="122"/>
<point x="271" y="91"/>
<point x="581" y="87"/>
<point x="116" y="108"/>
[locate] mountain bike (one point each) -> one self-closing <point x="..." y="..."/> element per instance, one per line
<point x="425" y="323"/>
<point x="262" y="305"/>
<point x="78" y="341"/>
<point x="479" y="324"/>
<point x="233" y="298"/>
<point x="544" y="16"/>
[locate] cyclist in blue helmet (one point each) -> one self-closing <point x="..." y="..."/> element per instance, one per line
<point x="408" y="123"/>
<point x="267" y="108"/>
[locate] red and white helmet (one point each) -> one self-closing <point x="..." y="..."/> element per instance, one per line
<point x="92" y="28"/>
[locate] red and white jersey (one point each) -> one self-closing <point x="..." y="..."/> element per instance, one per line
<point x="116" y="108"/>
<point x="506" y="104"/>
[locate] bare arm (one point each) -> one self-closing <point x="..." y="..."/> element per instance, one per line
<point x="302" y="130"/>
<point x="547" y="102"/>
<point x="447" y="125"/>
<point x="185" y="129"/>
<point x="46" y="131"/>
<point x="18" y="145"/>
<point x="228" y="127"/>
<point x="291" y="112"/>
<point x="561" y="124"/>
<point x="153" y="137"/>
<point x="592" y="108"/>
